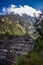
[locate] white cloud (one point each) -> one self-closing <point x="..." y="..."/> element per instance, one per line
<point x="13" y="6"/>
<point x="4" y="9"/>
<point x="21" y="10"/>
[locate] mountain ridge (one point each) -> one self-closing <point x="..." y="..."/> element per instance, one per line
<point x="17" y="25"/>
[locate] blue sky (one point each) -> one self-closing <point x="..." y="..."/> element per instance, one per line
<point x="37" y="4"/>
<point x="34" y="3"/>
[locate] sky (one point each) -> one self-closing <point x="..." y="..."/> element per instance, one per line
<point x="35" y="4"/>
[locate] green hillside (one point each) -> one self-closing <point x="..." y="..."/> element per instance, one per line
<point x="16" y="26"/>
<point x="11" y="27"/>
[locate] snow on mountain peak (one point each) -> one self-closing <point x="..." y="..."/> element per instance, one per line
<point x="21" y="10"/>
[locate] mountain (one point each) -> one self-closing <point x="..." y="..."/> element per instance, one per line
<point x="14" y="38"/>
<point x="17" y="25"/>
<point x="17" y="37"/>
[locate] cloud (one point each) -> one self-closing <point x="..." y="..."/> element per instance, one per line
<point x="4" y="9"/>
<point x="21" y="10"/>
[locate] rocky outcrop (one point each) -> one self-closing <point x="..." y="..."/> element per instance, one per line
<point x="11" y="49"/>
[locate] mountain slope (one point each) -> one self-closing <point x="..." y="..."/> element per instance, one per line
<point x="18" y="25"/>
<point x="11" y="27"/>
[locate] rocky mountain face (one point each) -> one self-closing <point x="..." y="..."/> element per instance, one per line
<point x="16" y="33"/>
<point x="18" y="25"/>
<point x="11" y="49"/>
<point x="28" y="22"/>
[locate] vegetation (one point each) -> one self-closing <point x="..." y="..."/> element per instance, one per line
<point x="13" y="27"/>
<point x="10" y="27"/>
<point x="34" y="57"/>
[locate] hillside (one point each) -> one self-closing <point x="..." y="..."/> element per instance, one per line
<point x="14" y="38"/>
<point x="17" y="25"/>
<point x="20" y="40"/>
<point x="10" y="26"/>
